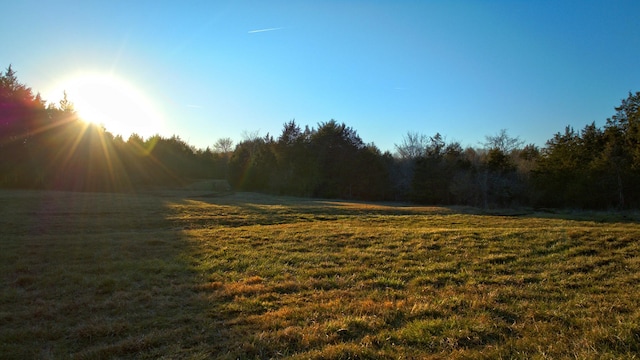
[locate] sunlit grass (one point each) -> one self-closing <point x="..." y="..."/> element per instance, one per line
<point x="252" y="276"/>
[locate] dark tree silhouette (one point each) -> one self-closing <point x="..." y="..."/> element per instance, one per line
<point x="49" y="147"/>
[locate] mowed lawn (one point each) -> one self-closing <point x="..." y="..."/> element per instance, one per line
<point x="246" y="276"/>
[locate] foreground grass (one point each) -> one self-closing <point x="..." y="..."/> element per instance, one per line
<point x="249" y="276"/>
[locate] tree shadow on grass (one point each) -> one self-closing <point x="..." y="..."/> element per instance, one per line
<point x="94" y="275"/>
<point x="88" y="275"/>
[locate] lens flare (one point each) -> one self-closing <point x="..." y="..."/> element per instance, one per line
<point x="112" y="102"/>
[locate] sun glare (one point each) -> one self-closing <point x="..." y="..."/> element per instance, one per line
<point x="111" y="102"/>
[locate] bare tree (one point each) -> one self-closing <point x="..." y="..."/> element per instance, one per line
<point x="223" y="145"/>
<point x="413" y="145"/>
<point x="503" y="141"/>
<point x="250" y="135"/>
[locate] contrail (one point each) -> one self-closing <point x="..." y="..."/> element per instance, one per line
<point x="264" y="30"/>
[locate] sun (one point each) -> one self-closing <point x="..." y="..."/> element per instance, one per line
<point x="111" y="102"/>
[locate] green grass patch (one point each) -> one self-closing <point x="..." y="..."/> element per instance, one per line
<point x="252" y="277"/>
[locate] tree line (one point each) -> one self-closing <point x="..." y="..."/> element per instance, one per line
<point x="46" y="146"/>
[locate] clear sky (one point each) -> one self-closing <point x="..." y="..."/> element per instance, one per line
<point x="210" y="69"/>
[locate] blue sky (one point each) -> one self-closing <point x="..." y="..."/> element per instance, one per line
<point x="465" y="69"/>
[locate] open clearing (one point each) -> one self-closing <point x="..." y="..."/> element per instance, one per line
<point x="91" y="276"/>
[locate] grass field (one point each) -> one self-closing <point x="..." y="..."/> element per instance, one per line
<point x="172" y="275"/>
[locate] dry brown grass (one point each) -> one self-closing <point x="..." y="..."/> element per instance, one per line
<point x="254" y="277"/>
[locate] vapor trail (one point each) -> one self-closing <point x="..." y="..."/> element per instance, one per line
<point x="264" y="30"/>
